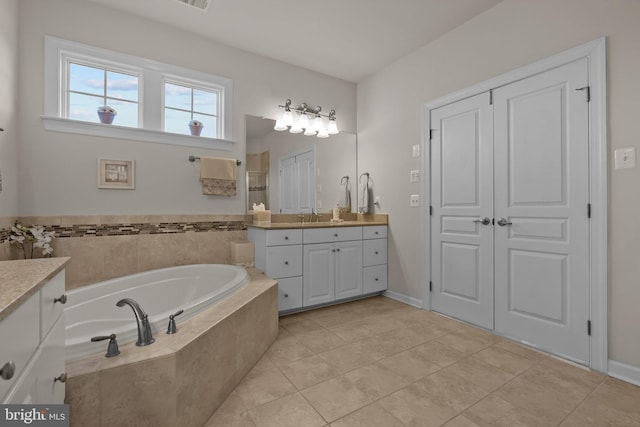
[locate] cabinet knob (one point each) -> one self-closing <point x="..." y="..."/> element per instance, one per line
<point x="62" y="299"/>
<point x="7" y="370"/>
<point x="333" y="250"/>
<point x="335" y="234"/>
<point x="286" y="237"/>
<point x="286" y="263"/>
<point x="62" y="378"/>
<point x="286" y="295"/>
<point x="376" y="279"/>
<point x="377" y="253"/>
<point x="338" y="250"/>
<point x="375" y="232"/>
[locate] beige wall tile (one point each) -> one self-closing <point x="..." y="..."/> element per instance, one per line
<point x="40" y="220"/>
<point x="83" y="395"/>
<point x="7" y="221"/>
<point x="5" y="251"/>
<point x="87" y="259"/>
<point x="120" y="255"/>
<point x="140" y="394"/>
<point x="79" y="219"/>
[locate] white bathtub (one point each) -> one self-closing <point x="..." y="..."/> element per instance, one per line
<point x="92" y="311"/>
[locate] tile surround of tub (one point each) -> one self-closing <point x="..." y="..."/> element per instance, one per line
<point x="182" y="378"/>
<point x="108" y="246"/>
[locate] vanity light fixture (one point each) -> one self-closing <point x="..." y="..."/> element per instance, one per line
<point x="307" y="119"/>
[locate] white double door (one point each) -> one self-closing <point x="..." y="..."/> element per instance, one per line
<point x="510" y="226"/>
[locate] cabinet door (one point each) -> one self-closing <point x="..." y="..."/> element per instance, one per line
<point x="50" y="365"/>
<point x="348" y="269"/>
<point x="318" y="280"/>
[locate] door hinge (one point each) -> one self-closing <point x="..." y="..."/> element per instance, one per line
<point x="430" y="134"/>
<point x="589" y="327"/>
<point x="588" y="210"/>
<point x="491" y="97"/>
<point x="430" y="286"/>
<point x="588" y="91"/>
<point x="430" y="210"/>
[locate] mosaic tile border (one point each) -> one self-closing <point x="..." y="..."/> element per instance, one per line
<point x="135" y="229"/>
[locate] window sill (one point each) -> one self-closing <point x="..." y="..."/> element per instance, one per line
<point x="58" y="124"/>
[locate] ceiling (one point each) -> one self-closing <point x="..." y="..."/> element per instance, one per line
<point x="347" y="39"/>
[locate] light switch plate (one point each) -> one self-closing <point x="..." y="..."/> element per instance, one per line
<point x="625" y="158"/>
<point x="415" y="201"/>
<point x="414" y="176"/>
<point x="416" y="150"/>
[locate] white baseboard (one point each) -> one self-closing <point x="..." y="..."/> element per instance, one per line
<point x="624" y="372"/>
<point x="414" y="302"/>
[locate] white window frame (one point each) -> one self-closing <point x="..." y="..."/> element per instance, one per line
<point x="152" y="75"/>
<point x="198" y="85"/>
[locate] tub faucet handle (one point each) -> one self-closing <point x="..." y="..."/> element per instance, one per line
<point x="172" y="329"/>
<point x="112" y="348"/>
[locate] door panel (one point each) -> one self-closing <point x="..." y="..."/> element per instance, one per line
<point x="348" y="269"/>
<point x="306" y="182"/>
<point x="288" y="185"/>
<point x="461" y="193"/>
<point x="541" y="189"/>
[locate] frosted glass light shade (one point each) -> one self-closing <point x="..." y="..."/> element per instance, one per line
<point x="287" y="118"/>
<point x="332" y="128"/>
<point x="303" y="122"/>
<point x="318" y="124"/>
<point x="310" y="131"/>
<point x="295" y="128"/>
<point x="322" y="133"/>
<point x="280" y="126"/>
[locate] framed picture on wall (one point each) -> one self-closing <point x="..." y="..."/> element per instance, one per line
<point x="116" y="174"/>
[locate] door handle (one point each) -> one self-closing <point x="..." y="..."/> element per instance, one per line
<point x="483" y="221"/>
<point x="502" y="222"/>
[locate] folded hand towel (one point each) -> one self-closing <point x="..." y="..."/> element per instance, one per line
<point x="364" y="197"/>
<point x="218" y="176"/>
<point x="345" y="195"/>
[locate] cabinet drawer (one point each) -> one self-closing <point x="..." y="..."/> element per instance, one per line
<point x="50" y="311"/>
<point x="284" y="237"/>
<point x="374" y="232"/>
<point x="284" y="261"/>
<point x="289" y="293"/>
<point x="374" y="279"/>
<point x="20" y="336"/>
<point x="329" y="235"/>
<point x="375" y="252"/>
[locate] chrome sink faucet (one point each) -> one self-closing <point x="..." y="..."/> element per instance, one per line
<point x="145" y="337"/>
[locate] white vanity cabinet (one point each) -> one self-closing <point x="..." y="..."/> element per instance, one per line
<point x="374" y="246"/>
<point x="279" y="254"/>
<point x="335" y="263"/>
<point x="332" y="271"/>
<point x="32" y="337"/>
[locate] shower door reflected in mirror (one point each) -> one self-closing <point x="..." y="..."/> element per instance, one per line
<point x="335" y="160"/>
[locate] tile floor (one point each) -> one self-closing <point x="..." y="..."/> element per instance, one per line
<point x="378" y="362"/>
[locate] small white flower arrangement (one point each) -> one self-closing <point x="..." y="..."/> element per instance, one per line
<point x="29" y="238"/>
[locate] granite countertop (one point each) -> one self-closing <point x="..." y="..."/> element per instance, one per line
<point x="289" y="225"/>
<point x="22" y="278"/>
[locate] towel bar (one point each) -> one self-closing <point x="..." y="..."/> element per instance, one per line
<point x="194" y="158"/>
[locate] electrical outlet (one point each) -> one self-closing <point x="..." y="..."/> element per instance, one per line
<point x="414" y="176"/>
<point x="416" y="150"/>
<point x="319" y="204"/>
<point x="415" y="201"/>
<point x="319" y="188"/>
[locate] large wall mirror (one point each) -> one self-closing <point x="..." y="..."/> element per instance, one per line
<point x="292" y="173"/>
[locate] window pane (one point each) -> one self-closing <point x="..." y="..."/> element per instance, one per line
<point x="86" y="79"/>
<point x="205" y="102"/>
<point x="127" y="113"/>
<point x="209" y="123"/>
<point x="122" y="86"/>
<point x="176" y="121"/>
<point x="177" y="96"/>
<point x="84" y="107"/>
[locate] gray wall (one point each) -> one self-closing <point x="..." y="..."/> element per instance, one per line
<point x="57" y="171"/>
<point x="8" y="106"/>
<point x="512" y="34"/>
